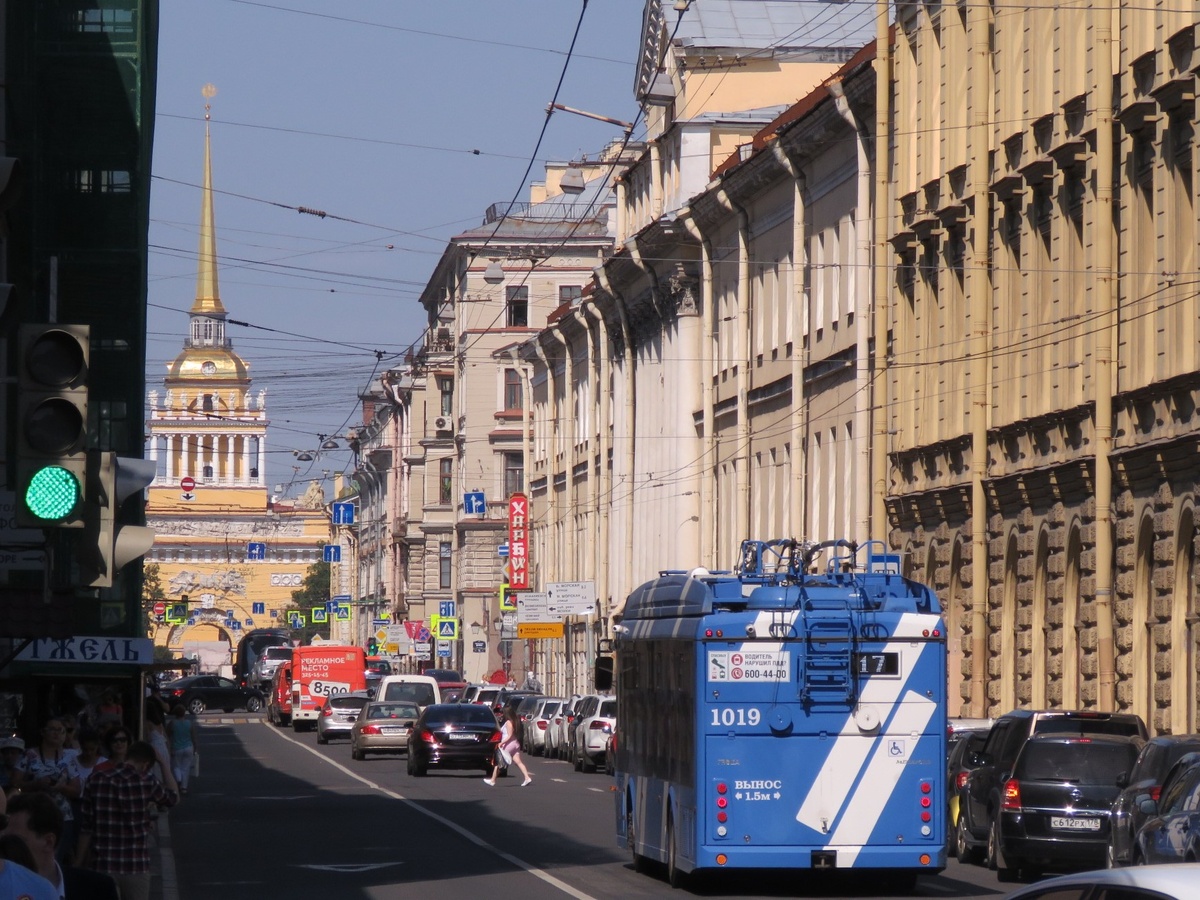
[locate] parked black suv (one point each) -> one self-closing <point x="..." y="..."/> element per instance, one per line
<point x="1054" y="810"/>
<point x="980" y="798"/>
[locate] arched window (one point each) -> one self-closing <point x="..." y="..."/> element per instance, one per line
<point x="1008" y="629"/>
<point x="1039" y="668"/>
<point x="1142" y="671"/>
<point x="1183" y="628"/>
<point x="1070" y="621"/>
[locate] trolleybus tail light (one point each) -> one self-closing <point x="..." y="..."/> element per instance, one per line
<point x="708" y="632"/>
<point x="722" y="859"/>
<point x="722" y="802"/>
<point x="925" y="859"/>
<point x="722" y="787"/>
<point x="935" y="632"/>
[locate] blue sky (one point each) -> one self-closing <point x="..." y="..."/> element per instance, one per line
<point x="372" y="112"/>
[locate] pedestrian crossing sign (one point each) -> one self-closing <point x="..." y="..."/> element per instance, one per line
<point x="447" y="629"/>
<point x="319" y="614"/>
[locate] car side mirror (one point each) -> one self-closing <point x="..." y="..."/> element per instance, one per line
<point x="1147" y="805"/>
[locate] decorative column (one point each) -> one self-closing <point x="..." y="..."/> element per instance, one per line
<point x="230" y="466"/>
<point x="262" y="459"/>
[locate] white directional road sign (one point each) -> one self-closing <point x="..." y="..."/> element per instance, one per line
<point x="535" y="607"/>
<point x="572" y="598"/>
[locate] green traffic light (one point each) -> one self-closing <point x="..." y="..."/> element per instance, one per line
<point x="53" y="493"/>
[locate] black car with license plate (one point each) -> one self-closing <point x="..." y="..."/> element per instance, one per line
<point x="453" y="736"/>
<point x="1055" y="805"/>
<point x="200" y="692"/>
<point x="980" y="796"/>
<point x="1171" y="832"/>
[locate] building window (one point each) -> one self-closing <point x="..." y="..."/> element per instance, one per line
<point x="444" y="560"/>
<point x="514" y="473"/>
<point x="446" y="389"/>
<point x="445" y="481"/>
<point x="512" y="389"/>
<point x="99" y="21"/>
<point x="208" y="402"/>
<point x="569" y="293"/>
<point x="518" y="306"/>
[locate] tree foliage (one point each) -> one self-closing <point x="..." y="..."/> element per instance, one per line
<point x="314" y="592"/>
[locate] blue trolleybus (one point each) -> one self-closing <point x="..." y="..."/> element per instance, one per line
<point x="790" y="714"/>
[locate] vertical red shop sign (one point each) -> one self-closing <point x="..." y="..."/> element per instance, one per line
<point x="518" y="542"/>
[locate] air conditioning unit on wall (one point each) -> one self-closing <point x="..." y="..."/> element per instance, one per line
<point x="442" y="423"/>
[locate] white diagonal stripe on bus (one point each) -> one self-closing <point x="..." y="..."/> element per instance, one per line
<point x="851" y="748"/>
<point x="875" y="789"/>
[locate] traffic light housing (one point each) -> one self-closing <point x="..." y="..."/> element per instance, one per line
<point x="107" y="544"/>
<point x="52" y="417"/>
<point x="372" y="647"/>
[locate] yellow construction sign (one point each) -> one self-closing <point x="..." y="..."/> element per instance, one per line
<point x="534" y="630"/>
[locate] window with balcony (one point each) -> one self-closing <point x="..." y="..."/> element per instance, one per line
<point x="445" y="386"/>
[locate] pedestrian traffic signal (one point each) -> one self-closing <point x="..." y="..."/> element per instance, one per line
<point x="108" y="544"/>
<point x="52" y="416"/>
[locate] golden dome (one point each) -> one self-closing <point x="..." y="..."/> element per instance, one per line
<point x="208" y="364"/>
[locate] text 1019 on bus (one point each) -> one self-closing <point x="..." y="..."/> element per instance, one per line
<point x="788" y="714"/>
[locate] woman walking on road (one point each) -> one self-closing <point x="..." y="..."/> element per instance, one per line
<point x="510" y="747"/>
<point x="181" y="732"/>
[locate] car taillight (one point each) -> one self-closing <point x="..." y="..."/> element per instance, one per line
<point x="371" y="729"/>
<point x="495" y="738"/>
<point x="327" y="710"/>
<point x="1156" y="792"/>
<point x="600" y="726"/>
<point x="961" y="781"/>
<point x="428" y="736"/>
<point x="541" y="723"/>
<point x="1012" y="795"/>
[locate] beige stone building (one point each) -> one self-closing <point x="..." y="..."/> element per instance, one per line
<point x="209" y="502"/>
<point x="1041" y="426"/>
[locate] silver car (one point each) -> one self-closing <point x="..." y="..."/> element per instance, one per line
<point x="537" y="729"/>
<point x="1173" y="881"/>
<point x="338" y="713"/>
<point x="595" y="722"/>
<point x="383" y="726"/>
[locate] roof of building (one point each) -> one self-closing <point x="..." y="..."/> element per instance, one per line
<point x="773" y="24"/>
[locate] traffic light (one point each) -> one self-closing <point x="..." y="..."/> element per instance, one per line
<point x="108" y="545"/>
<point x="372" y="647"/>
<point x="52" y="415"/>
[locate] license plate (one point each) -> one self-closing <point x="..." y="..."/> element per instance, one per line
<point x="462" y="737"/>
<point x="1074" y="824"/>
<point x="394" y="729"/>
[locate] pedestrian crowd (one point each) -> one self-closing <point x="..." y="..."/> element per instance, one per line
<point x="79" y="799"/>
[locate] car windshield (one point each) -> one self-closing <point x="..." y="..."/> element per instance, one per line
<point x="443" y="674"/>
<point x="347" y="702"/>
<point x="608" y="709"/>
<point x="460" y="714"/>
<point x="392" y="711"/>
<point x="1084" y="762"/>
<point x="382" y="666"/>
<point x="277" y="653"/>
<point x="550" y="708"/>
<point x="413" y="691"/>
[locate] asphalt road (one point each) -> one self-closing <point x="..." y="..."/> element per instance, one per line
<point x="272" y="814"/>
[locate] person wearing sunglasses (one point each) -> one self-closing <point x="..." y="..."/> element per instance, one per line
<point x="117" y="741"/>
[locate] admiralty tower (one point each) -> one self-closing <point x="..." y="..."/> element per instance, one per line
<point x="224" y="549"/>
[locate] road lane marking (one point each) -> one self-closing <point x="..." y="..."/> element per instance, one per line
<point x="453" y="826"/>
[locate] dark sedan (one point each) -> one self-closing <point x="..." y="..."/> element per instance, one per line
<point x="1171" y="833"/>
<point x="200" y="692"/>
<point x="1054" y="807"/>
<point x="453" y="736"/>
<point x="1144" y="781"/>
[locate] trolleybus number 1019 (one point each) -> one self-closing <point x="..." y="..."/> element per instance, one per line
<point x="729" y="716"/>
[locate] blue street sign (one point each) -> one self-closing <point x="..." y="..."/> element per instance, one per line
<point x="443" y="651"/>
<point x="343" y="514"/>
<point x="258" y="609"/>
<point x="502" y="550"/>
<point x="474" y="503"/>
<point x="249" y="623"/>
<point x="446" y="609"/>
<point x="340" y="598"/>
<point x="256" y="550"/>
<point x="333" y="553"/>
<point x="447" y="629"/>
<point x="342" y="611"/>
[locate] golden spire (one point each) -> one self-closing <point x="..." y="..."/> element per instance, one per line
<point x="208" y="298"/>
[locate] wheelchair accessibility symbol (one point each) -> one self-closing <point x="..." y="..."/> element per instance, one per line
<point x="895" y="748"/>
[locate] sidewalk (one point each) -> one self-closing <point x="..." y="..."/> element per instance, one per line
<point x="163" y="886"/>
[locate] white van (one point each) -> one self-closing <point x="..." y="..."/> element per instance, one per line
<point x="419" y="689"/>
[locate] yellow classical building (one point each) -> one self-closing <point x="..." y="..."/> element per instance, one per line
<point x="223" y="547"/>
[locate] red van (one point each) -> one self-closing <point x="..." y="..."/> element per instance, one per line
<point x="279" y="696"/>
<point x="320" y="670"/>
